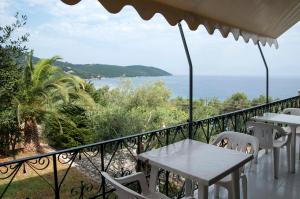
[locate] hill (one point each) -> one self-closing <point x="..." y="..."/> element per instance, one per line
<point x="88" y="71"/>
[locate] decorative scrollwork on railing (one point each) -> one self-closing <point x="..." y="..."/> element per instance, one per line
<point x="40" y="163"/>
<point x="82" y="191"/>
<point x="92" y="151"/>
<point x="9" y="170"/>
<point x="130" y="143"/>
<point x="67" y="157"/>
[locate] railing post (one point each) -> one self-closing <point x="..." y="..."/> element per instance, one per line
<point x="139" y="150"/>
<point x="223" y="123"/>
<point x="235" y="122"/>
<point x="167" y="172"/>
<point x="102" y="169"/>
<point x="298" y="100"/>
<point x="207" y="133"/>
<point x="56" y="187"/>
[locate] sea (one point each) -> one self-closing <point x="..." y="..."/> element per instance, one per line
<point x="221" y="87"/>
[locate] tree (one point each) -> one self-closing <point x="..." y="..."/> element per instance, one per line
<point x="12" y="48"/>
<point x="75" y="125"/>
<point x="126" y="110"/>
<point x="237" y="101"/>
<point x="206" y="108"/>
<point x="260" y="100"/>
<point x="44" y="87"/>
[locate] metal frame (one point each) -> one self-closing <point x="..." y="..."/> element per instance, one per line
<point x="190" y="121"/>
<point x="190" y="81"/>
<point x="267" y="72"/>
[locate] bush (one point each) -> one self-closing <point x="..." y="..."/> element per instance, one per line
<point x="114" y="121"/>
<point x="125" y="111"/>
<point x="10" y="134"/>
<point x="71" y="129"/>
<point x="237" y="101"/>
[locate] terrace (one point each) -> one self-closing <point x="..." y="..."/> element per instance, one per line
<point x="75" y="172"/>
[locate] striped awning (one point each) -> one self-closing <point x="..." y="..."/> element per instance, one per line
<point x="257" y="20"/>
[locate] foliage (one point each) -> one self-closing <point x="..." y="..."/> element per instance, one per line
<point x="10" y="133"/>
<point x="11" y="49"/>
<point x="124" y="110"/>
<point x="207" y="108"/>
<point x="237" y="101"/>
<point x="44" y="88"/>
<point x="75" y="127"/>
<point x="202" y="108"/>
<point x="260" y="100"/>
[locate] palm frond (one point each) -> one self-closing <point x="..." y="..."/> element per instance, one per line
<point x="80" y="82"/>
<point x="28" y="70"/>
<point x="63" y="91"/>
<point x="44" y="69"/>
<point x="80" y="97"/>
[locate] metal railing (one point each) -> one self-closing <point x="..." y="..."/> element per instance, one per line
<point x="119" y="157"/>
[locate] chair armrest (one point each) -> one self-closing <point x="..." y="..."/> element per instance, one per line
<point x="136" y="195"/>
<point x="139" y="177"/>
<point x="281" y="131"/>
<point x="218" y="139"/>
<point x="121" y="189"/>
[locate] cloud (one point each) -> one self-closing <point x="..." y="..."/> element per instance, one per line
<point x="5" y="18"/>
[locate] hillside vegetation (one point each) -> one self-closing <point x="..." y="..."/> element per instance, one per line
<point x="88" y="71"/>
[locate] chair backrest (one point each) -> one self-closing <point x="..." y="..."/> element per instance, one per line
<point x="239" y="141"/>
<point x="292" y="111"/>
<point x="264" y="132"/>
<point x="122" y="191"/>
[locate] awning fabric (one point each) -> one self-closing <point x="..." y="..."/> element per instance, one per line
<point x="259" y="20"/>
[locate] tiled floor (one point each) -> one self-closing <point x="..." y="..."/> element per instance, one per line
<point x="261" y="183"/>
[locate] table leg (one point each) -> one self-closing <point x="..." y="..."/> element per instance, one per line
<point x="293" y="148"/>
<point x="236" y="184"/>
<point x="189" y="188"/>
<point x="202" y="191"/>
<point x="153" y="178"/>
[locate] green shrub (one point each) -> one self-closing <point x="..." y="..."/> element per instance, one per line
<point x="71" y="129"/>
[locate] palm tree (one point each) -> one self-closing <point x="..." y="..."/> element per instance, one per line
<point x="46" y="86"/>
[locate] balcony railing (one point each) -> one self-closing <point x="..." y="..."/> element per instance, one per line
<point x="119" y="157"/>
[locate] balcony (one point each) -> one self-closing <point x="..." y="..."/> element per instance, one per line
<point x="75" y="172"/>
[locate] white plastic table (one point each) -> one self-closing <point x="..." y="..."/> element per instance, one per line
<point x="198" y="162"/>
<point x="292" y="120"/>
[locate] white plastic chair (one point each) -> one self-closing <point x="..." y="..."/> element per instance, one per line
<point x="240" y="142"/>
<point x="265" y="133"/>
<point x="292" y="111"/>
<point x="126" y="193"/>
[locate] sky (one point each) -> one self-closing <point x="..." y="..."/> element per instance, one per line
<point x="87" y="33"/>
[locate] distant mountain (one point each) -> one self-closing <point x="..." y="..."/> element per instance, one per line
<point x="88" y="71"/>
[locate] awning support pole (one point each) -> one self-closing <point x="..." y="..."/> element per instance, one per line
<point x="267" y="73"/>
<point x="190" y="82"/>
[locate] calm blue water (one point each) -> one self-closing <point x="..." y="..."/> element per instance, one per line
<point x="216" y="86"/>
